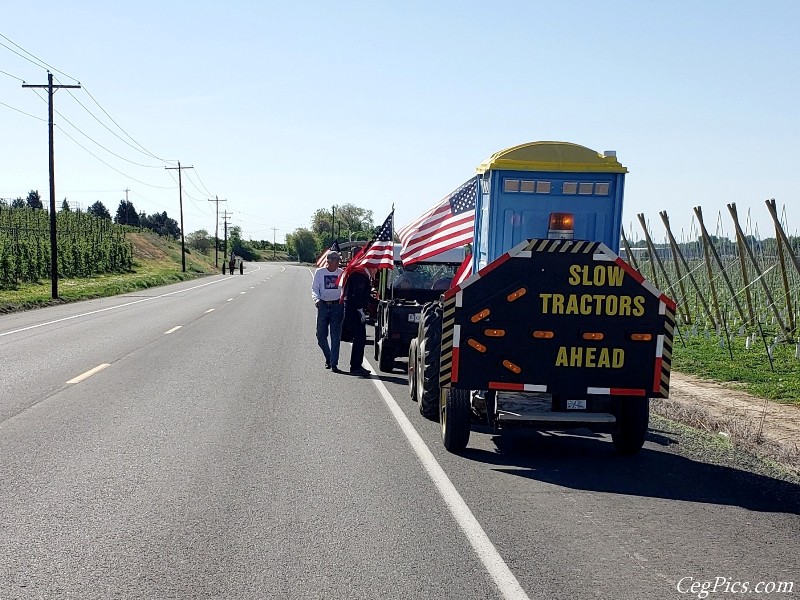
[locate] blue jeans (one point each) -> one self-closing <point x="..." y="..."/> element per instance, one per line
<point x="329" y="316"/>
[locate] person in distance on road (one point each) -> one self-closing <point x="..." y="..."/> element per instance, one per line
<point x="326" y="295"/>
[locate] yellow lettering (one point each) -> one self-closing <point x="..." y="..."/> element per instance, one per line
<point x="590" y="357"/>
<point x="574" y="275"/>
<point x="561" y="358"/>
<point x="615" y="276"/>
<point x="545" y="298"/>
<point x="598" y="306"/>
<point x="572" y="304"/>
<point x="586" y="304"/>
<point x="599" y="275"/>
<point x="624" y="306"/>
<point x="576" y="356"/>
<point x="558" y="304"/>
<point x="590" y="352"/>
<point x="603" y="361"/>
<point x="611" y="305"/>
<point x="638" y="306"/>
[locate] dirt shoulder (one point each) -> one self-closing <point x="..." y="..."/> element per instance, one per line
<point x="768" y="429"/>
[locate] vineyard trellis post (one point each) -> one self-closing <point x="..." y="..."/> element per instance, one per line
<point x="741" y="241"/>
<point x="655" y="259"/>
<point x="677" y="254"/>
<point x="698" y="211"/>
<point x="783" y="241"/>
<point x="631" y="257"/>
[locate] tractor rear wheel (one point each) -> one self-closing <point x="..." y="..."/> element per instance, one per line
<point x="385" y="357"/>
<point x="455" y="419"/>
<point x="412" y="369"/>
<point x="634" y="418"/>
<point x="430" y="350"/>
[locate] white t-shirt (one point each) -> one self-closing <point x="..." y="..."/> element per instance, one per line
<point x="324" y="285"/>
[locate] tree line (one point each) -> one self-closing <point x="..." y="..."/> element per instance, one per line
<point x="344" y="223"/>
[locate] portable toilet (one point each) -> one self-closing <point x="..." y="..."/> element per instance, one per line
<point x="547" y="190"/>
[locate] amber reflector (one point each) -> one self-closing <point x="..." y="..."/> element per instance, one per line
<point x="543" y="335"/>
<point x="494" y="332"/>
<point x="481" y="315"/>
<point x="477" y="345"/>
<point x="641" y="337"/>
<point x="511" y="366"/>
<point x="518" y="294"/>
<point x="593" y="336"/>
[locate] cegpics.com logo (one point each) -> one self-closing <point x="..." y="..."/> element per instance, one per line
<point x="727" y="585"/>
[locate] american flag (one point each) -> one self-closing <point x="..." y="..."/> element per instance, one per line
<point x="464" y="271"/>
<point x="322" y="260"/>
<point x="380" y="254"/>
<point x="447" y="225"/>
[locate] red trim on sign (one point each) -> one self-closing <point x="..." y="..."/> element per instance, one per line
<point x="629" y="270"/>
<point x="515" y="387"/>
<point x="493" y="265"/>
<point x="627" y="392"/>
<point x="452" y="292"/>
<point x="657" y="375"/>
<point x="669" y="302"/>
<point x="454" y="367"/>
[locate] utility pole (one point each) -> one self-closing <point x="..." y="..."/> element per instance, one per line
<point x="53" y="239"/>
<point x="333" y="223"/>
<point x="216" y="232"/>
<point x="225" y="223"/>
<point x="126" y="190"/>
<point x="273" y="242"/>
<point x="180" y="199"/>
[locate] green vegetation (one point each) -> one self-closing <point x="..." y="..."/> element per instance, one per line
<point x="749" y="370"/>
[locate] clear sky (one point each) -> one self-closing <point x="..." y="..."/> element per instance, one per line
<point x="286" y="107"/>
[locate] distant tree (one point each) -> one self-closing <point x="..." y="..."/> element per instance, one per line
<point x="349" y="221"/>
<point x="126" y="214"/>
<point x="161" y="224"/>
<point x="303" y="244"/>
<point x="199" y="240"/>
<point x="98" y="209"/>
<point x="65" y="206"/>
<point x="33" y="200"/>
<point x="18" y="203"/>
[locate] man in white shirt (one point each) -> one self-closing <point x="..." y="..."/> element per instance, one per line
<point x="326" y="294"/>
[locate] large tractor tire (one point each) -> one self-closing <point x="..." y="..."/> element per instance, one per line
<point x="455" y="419"/>
<point x="385" y="357"/>
<point x="634" y="418"/>
<point x="430" y="350"/>
<point x="412" y="369"/>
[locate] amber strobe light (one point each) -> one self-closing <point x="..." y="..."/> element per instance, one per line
<point x="543" y="335"/>
<point x="641" y="337"/>
<point x="562" y="226"/>
<point x="593" y="336"/>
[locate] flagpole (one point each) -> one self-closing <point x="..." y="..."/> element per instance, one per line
<point x="392" y="238"/>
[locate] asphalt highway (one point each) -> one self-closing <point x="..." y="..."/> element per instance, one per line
<point x="186" y="442"/>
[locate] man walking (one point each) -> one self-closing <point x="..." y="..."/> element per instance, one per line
<point x="326" y="294"/>
<point x="356" y="297"/>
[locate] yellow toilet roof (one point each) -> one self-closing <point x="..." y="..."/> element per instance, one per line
<point x="552" y="156"/>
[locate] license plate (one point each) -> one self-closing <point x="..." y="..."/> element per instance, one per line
<point x="414" y="317"/>
<point x="576" y="404"/>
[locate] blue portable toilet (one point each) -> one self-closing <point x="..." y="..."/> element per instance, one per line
<point x="541" y="190"/>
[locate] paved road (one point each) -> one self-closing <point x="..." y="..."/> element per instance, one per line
<point x="220" y="460"/>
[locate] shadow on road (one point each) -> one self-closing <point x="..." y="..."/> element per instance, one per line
<point x="588" y="462"/>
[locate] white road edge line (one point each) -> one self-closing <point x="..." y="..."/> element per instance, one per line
<point x="173" y="330"/>
<point x="100" y="310"/>
<point x="89" y="373"/>
<point x="505" y="580"/>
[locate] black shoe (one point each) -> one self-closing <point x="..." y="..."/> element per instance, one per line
<point x="327" y="365"/>
<point x="359" y="371"/>
<point x="335" y="369"/>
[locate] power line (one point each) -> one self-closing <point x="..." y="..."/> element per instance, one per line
<point x="39" y="60"/>
<point x="22" y="111"/>
<point x="13" y="76"/>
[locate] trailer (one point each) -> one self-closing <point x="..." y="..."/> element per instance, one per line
<point x="553" y="330"/>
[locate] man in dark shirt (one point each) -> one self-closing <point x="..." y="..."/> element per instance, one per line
<point x="356" y="297"/>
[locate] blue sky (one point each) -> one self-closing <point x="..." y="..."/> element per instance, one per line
<point x="283" y="108"/>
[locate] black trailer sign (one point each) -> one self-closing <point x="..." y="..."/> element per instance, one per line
<point x="565" y="317"/>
